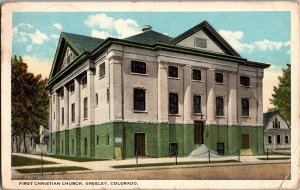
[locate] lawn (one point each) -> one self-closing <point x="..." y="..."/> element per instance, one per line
<point x="76" y="159"/>
<point x="52" y="169"/>
<point x="173" y="163"/>
<point x="25" y="161"/>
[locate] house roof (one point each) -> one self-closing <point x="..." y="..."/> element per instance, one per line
<point x="268" y="115"/>
<point x="150" y="37"/>
<point x="81" y="43"/>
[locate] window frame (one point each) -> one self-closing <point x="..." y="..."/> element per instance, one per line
<point x="287" y="139"/>
<point x="278" y="135"/>
<point x="102" y="71"/>
<point x="133" y="71"/>
<point x="217" y="73"/>
<point x="173" y="77"/>
<point x="222" y="113"/>
<point x="62" y="116"/>
<point x="85" y="108"/>
<point x="193" y="76"/>
<point x="62" y="93"/>
<point x="73" y="113"/>
<point x="248" y="108"/>
<point x="134" y="100"/>
<point x="177" y="105"/>
<point x="96" y="100"/>
<point x="200" y="106"/>
<point x="72" y="87"/>
<point x="270" y="139"/>
<point x="202" y="42"/>
<point x="83" y="81"/>
<point x="249" y="81"/>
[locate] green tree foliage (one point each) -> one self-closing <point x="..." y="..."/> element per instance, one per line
<point x="30" y="101"/>
<point x="281" y="98"/>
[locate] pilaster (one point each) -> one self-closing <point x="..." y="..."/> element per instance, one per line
<point x="77" y="101"/>
<point x="187" y="105"/>
<point x="66" y="107"/>
<point x="91" y="94"/>
<point x="163" y="112"/>
<point x="232" y="100"/>
<point x="211" y="99"/>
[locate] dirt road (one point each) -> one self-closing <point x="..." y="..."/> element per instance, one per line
<point x="242" y="172"/>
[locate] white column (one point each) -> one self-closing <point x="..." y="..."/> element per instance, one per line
<point x="57" y="116"/>
<point x="232" y="100"/>
<point x="77" y="101"/>
<point x="211" y="99"/>
<point x="163" y="92"/>
<point x="66" y="107"/>
<point x="91" y="95"/>
<point x="187" y="105"/>
<point x="259" y="99"/>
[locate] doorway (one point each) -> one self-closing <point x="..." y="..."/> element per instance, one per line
<point x="198" y="132"/>
<point x="245" y="141"/>
<point x="139" y="144"/>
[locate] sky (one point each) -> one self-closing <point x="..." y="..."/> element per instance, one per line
<point x="257" y="36"/>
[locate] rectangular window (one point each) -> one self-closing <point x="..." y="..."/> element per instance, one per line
<point x="102" y="70"/>
<point x="53" y="99"/>
<point x="245" y="107"/>
<point x="139" y="102"/>
<point x="107" y="94"/>
<point x="72" y="148"/>
<point x="173" y="103"/>
<point x="97" y="140"/>
<point x="62" y="147"/>
<point x="73" y="113"/>
<point x="61" y="93"/>
<point x="85" y="108"/>
<point x="85" y="146"/>
<point x="62" y="116"/>
<point x="196" y="74"/>
<point x="270" y="139"/>
<point x="200" y="42"/>
<point x="71" y="87"/>
<point x="173" y="71"/>
<point x="84" y="81"/>
<point x="138" y="67"/>
<point x="219" y="106"/>
<point x="244" y="81"/>
<point x="53" y="142"/>
<point x="197" y="104"/>
<point x="287" y="139"/>
<point x="107" y="140"/>
<point x="53" y="115"/>
<point x="278" y="139"/>
<point x="96" y="99"/>
<point x="219" y="77"/>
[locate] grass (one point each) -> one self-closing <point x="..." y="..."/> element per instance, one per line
<point x="275" y="158"/>
<point x="76" y="159"/>
<point x="173" y="163"/>
<point x="52" y="169"/>
<point x="25" y="161"/>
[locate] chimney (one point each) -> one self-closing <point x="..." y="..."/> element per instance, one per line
<point x="146" y="28"/>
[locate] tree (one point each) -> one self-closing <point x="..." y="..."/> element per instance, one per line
<point x="281" y="98"/>
<point x="30" y="102"/>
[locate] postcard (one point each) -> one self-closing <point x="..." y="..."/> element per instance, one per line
<point x="150" y="95"/>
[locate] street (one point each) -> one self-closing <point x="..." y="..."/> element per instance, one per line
<point x="265" y="171"/>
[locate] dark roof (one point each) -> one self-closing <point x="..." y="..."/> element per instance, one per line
<point x="267" y="116"/>
<point x="82" y="43"/>
<point x="150" y="37"/>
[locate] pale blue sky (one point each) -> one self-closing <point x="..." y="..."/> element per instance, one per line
<point x="257" y="36"/>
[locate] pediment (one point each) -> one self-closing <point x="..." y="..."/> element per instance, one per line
<point x="203" y="36"/>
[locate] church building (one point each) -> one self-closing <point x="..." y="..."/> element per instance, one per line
<point x="151" y="94"/>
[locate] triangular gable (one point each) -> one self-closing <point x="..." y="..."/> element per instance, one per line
<point x="268" y="117"/>
<point x="71" y="44"/>
<point x="204" y="31"/>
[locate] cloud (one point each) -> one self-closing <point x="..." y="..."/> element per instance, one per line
<point x="54" y="36"/>
<point x="28" y="47"/>
<point x="25" y="26"/>
<point x="38" y="65"/>
<point x="271" y="45"/>
<point x="99" y="34"/>
<point x="38" y="37"/>
<point x="57" y="26"/>
<point x="109" y="25"/>
<point x="234" y="38"/>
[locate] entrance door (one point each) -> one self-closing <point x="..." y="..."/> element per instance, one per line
<point x="140" y="144"/>
<point x="198" y="132"/>
<point x="245" y="141"/>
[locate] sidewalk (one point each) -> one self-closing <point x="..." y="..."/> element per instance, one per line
<point x="96" y="166"/>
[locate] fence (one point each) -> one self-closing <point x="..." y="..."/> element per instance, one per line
<point x="175" y="155"/>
